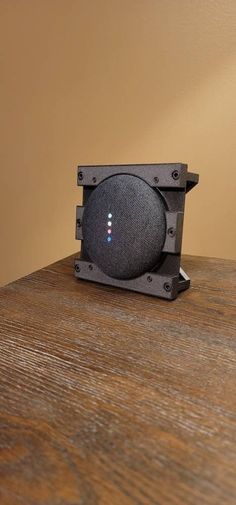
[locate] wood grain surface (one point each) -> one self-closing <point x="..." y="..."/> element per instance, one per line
<point x="115" y="398"/>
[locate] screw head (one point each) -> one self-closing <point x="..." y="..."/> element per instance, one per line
<point x="94" y="180"/>
<point x="149" y="278"/>
<point x="167" y="286"/>
<point x="79" y="223"/>
<point x="156" y="180"/>
<point x="171" y="231"/>
<point x="80" y="176"/>
<point x="175" y="175"/>
<point x="90" y="267"/>
<point x="77" y="268"/>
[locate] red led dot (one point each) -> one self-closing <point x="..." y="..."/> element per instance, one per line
<point x="109" y="231"/>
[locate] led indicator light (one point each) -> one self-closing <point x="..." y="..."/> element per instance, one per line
<point x="109" y="230"/>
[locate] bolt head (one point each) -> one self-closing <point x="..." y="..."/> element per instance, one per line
<point x="175" y="175"/>
<point x="167" y="286"/>
<point x="171" y="231"/>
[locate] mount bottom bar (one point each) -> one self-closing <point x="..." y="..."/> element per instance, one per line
<point x="150" y="283"/>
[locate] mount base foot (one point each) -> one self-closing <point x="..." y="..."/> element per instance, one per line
<point x="184" y="280"/>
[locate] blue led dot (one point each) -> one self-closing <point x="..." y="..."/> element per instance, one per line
<point x="109" y="239"/>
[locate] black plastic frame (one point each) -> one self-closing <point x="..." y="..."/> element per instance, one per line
<point x="173" y="181"/>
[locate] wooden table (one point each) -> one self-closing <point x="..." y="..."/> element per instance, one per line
<point x="115" y="398"/>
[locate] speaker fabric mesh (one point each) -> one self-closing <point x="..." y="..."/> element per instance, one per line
<point x="124" y="226"/>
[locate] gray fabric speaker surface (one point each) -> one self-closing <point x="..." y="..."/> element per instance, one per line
<point x="137" y="231"/>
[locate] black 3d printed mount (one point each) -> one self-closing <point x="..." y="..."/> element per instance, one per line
<point x="173" y="181"/>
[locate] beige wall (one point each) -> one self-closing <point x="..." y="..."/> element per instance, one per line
<point x="113" y="81"/>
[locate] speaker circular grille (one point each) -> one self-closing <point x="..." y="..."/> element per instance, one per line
<point x="124" y="226"/>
